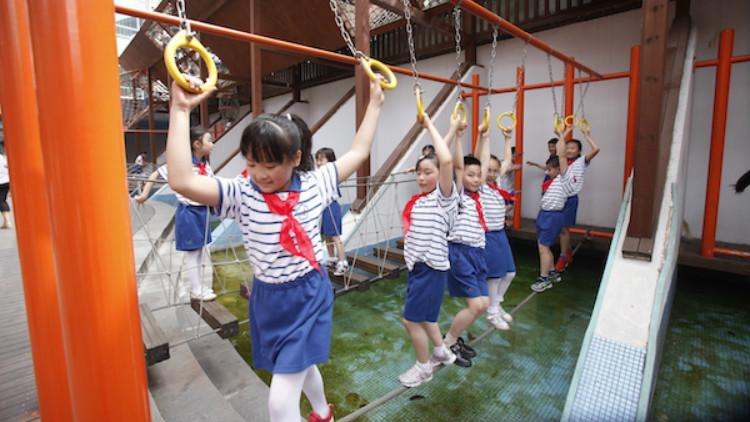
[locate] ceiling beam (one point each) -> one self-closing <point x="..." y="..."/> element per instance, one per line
<point x="417" y="15"/>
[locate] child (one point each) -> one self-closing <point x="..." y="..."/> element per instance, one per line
<point x="427" y="217"/>
<point x="278" y="210"/>
<point x="500" y="266"/>
<point x="330" y="225"/>
<point x="467" y="276"/>
<point x="507" y="182"/>
<point x="191" y="229"/>
<point x="549" y="221"/>
<point x="4" y="189"/>
<point x="576" y="168"/>
<point x="552" y="149"/>
<point x="428" y="150"/>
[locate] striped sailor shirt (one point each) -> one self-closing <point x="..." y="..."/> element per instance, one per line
<point x="427" y="240"/>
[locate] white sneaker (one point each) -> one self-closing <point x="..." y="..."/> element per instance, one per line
<point x="414" y="377"/>
<point x="446" y="358"/>
<point x="341" y="268"/>
<point x="206" y="295"/>
<point x="498" y="322"/>
<point x="506" y="316"/>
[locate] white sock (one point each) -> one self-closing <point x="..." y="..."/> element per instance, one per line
<point x="424" y="367"/>
<point x="493" y="285"/>
<point x="284" y="395"/>
<point x="449" y="340"/>
<point x="193" y="270"/>
<point x="441" y="351"/>
<point x="314" y="391"/>
<point x="504" y="285"/>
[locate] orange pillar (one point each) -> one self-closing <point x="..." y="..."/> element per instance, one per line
<point x="718" y="132"/>
<point x="632" y="128"/>
<point x="569" y="87"/>
<point x="77" y="88"/>
<point x="475" y="112"/>
<point x="520" y="81"/>
<point x="21" y="125"/>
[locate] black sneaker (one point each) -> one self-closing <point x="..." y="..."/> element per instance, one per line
<point x="461" y="360"/>
<point x="466" y="350"/>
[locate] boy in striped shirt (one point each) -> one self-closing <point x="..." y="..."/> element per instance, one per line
<point x="549" y="221"/>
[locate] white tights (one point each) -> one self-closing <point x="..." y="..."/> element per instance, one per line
<point x="194" y="270"/>
<point x="286" y="389"/>
<point x="497" y="288"/>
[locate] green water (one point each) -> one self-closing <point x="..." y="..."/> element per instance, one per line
<point x="522" y="374"/>
<point x="705" y="368"/>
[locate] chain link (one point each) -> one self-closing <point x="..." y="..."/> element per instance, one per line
<point x="457" y="26"/>
<point x="182" y="14"/>
<point x="410" y="39"/>
<point x="342" y="28"/>
<point x="552" y="81"/>
<point x="523" y="71"/>
<point x="491" y="70"/>
<point x="582" y="94"/>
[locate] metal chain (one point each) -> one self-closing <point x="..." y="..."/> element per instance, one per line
<point x="552" y="81"/>
<point x="184" y="22"/>
<point x="342" y="28"/>
<point x="523" y="70"/>
<point x="457" y="26"/>
<point x="582" y="94"/>
<point x="491" y="70"/>
<point x="410" y="39"/>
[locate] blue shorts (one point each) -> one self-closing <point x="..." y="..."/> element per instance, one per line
<point x="425" y="288"/>
<point x="331" y="221"/>
<point x="190" y="223"/>
<point x="291" y="323"/>
<point x="570" y="211"/>
<point x="467" y="276"/>
<point x="498" y="255"/>
<point x="548" y="226"/>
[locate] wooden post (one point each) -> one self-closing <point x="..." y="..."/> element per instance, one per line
<point x="650" y="99"/>
<point x="635" y="67"/>
<point x="469" y="38"/>
<point x="256" y="69"/>
<point x="32" y="216"/>
<point x="151" y="143"/>
<point x="297" y="83"/>
<point x="75" y="59"/>
<point x="362" y="88"/>
<point x="520" y="82"/>
<point x="718" y="133"/>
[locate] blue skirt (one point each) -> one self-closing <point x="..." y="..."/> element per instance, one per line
<point x="548" y="226"/>
<point x="498" y="254"/>
<point x="291" y="323"/>
<point x="190" y="223"/>
<point x="424" y="293"/>
<point x="331" y="221"/>
<point x="570" y="211"/>
<point x="467" y="276"/>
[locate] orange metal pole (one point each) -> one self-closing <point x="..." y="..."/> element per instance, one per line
<point x="718" y="132"/>
<point x="273" y="42"/>
<point x="21" y="126"/>
<point x="520" y="80"/>
<point x="714" y="62"/>
<point x="479" y="11"/>
<point x="78" y="93"/>
<point x="732" y="252"/>
<point x="632" y="128"/>
<point x="540" y="85"/>
<point x="569" y="88"/>
<point x="474" y="113"/>
<point x="592" y="233"/>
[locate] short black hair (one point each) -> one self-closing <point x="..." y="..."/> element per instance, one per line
<point x="306" y="162"/>
<point x="580" y="145"/>
<point x="554" y="161"/>
<point x="270" y="138"/>
<point x="430" y="157"/>
<point x="552" y="141"/>
<point x="326" y="152"/>
<point x="428" y="149"/>
<point x="196" y="134"/>
<point x="494" y="157"/>
<point x="470" y="160"/>
<point x="512" y="150"/>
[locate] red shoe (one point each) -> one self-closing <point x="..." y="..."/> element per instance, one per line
<point x="562" y="264"/>
<point x="315" y="417"/>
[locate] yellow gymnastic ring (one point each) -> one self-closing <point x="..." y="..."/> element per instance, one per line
<point x="510" y="115"/>
<point x="420" y="104"/>
<point x="182" y="40"/>
<point x="459" y="109"/>
<point x="571" y="120"/>
<point x="368" y="64"/>
<point x="584" y="125"/>
<point x="558" y="124"/>
<point x="486" y="118"/>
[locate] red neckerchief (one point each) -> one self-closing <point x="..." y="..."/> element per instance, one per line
<point x="245" y="174"/>
<point x="504" y="193"/>
<point x="290" y="226"/>
<point x="406" y="214"/>
<point x="545" y="185"/>
<point x="475" y="197"/>
<point x="202" y="169"/>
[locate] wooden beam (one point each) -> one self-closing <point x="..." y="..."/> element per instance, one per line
<point x="417" y="15"/>
<point x="332" y="111"/>
<point x="296" y="83"/>
<point x="650" y="98"/>
<point x="362" y="86"/>
<point x="469" y="38"/>
<point x="256" y="72"/>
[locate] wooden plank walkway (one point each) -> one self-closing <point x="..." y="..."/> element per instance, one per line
<point x="18" y="401"/>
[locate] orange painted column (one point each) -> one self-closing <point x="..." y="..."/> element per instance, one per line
<point x="520" y="81"/>
<point x="569" y="87"/>
<point x="475" y="112"/>
<point x="21" y="126"/>
<point x="77" y="89"/>
<point x="632" y="128"/>
<point x="718" y="132"/>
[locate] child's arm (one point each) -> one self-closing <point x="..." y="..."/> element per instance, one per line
<point x="594" y="147"/>
<point x="442" y="152"/>
<point x="484" y="150"/>
<point x="508" y="154"/>
<point x="561" y="135"/>
<point x="350" y="162"/>
<point x="147" y="188"/>
<point x="182" y="179"/>
<point x="458" y="156"/>
<point x="537" y="165"/>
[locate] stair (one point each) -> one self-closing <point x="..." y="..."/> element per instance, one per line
<point x="393" y="254"/>
<point x="374" y="266"/>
